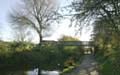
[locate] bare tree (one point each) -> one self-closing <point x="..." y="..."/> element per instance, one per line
<point x="38" y="14"/>
<point x="22" y="34"/>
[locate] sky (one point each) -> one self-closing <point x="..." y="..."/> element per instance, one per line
<point x="5" y="7"/>
<point x="62" y="29"/>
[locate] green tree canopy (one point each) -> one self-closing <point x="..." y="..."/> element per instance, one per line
<point x="89" y="10"/>
<point x="68" y="38"/>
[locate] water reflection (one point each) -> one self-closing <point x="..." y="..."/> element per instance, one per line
<point x="50" y="72"/>
<point x="33" y="72"/>
<point x="30" y="72"/>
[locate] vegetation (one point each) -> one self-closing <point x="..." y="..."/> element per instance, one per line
<point x="74" y="55"/>
<point x="105" y="15"/>
<point x="48" y="56"/>
<point x="107" y="46"/>
<point x="39" y="15"/>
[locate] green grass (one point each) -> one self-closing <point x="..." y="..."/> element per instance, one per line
<point x="106" y="68"/>
<point x="105" y="65"/>
<point x="71" y="68"/>
<point x="67" y="70"/>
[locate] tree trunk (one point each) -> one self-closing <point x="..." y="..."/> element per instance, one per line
<point x="40" y="38"/>
<point x="39" y="71"/>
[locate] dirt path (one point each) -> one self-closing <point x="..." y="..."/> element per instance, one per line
<point x="87" y="67"/>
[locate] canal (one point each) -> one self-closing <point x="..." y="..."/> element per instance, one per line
<point x="29" y="72"/>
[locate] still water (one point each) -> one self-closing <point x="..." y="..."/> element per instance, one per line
<point x="35" y="72"/>
<point x="30" y="72"/>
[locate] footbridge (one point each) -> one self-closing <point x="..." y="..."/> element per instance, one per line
<point x="88" y="45"/>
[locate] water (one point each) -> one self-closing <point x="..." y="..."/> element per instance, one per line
<point x="35" y="72"/>
<point x="30" y="72"/>
<point x="50" y="72"/>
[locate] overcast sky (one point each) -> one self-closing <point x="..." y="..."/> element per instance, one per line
<point x="5" y="8"/>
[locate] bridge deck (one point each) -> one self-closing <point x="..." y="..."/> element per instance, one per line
<point x="72" y="43"/>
